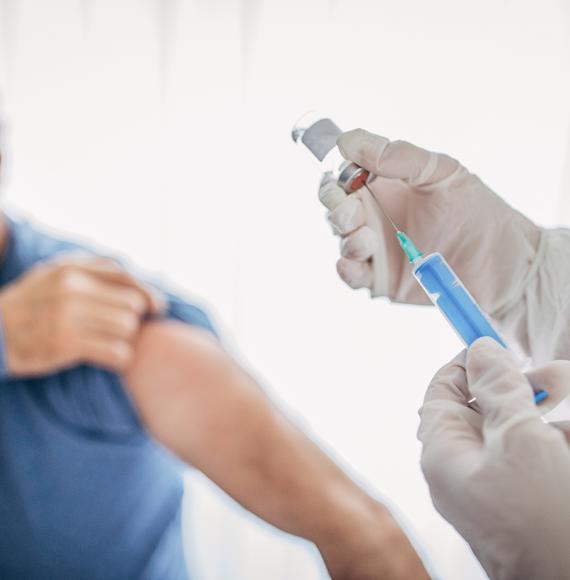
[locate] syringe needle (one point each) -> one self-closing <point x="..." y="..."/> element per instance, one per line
<point x="405" y="242"/>
<point x="381" y="208"/>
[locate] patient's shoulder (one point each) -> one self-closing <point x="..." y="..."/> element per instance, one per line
<point x="170" y="347"/>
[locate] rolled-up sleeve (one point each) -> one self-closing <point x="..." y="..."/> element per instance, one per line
<point x="183" y="311"/>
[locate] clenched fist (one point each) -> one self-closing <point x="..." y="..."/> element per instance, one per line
<point x="77" y="309"/>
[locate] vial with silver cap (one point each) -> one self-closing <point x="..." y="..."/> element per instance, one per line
<point x="319" y="134"/>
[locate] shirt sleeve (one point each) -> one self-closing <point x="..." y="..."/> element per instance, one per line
<point x="183" y="311"/>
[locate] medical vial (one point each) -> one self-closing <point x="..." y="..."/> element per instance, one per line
<point x="319" y="134"/>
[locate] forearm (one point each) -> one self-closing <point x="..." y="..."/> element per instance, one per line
<point x="214" y="416"/>
<point x="274" y="470"/>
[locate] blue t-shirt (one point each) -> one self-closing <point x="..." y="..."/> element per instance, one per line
<point x="84" y="492"/>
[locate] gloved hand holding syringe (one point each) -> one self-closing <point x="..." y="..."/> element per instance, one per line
<point x="433" y="273"/>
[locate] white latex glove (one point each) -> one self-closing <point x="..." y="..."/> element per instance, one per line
<point x="501" y="478"/>
<point x="443" y="208"/>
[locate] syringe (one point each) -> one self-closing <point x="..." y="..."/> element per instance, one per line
<point x="445" y="290"/>
<point x="438" y="280"/>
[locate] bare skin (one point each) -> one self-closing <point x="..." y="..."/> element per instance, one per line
<point x="202" y="406"/>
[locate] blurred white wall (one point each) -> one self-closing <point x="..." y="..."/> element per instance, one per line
<point x="161" y="128"/>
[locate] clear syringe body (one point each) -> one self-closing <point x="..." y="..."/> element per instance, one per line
<point x="453" y="300"/>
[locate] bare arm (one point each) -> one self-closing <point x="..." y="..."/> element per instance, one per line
<point x="201" y="405"/>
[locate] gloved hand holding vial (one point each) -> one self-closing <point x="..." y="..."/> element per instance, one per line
<point x="360" y="221"/>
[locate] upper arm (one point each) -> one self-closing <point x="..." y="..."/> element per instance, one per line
<point x="189" y="393"/>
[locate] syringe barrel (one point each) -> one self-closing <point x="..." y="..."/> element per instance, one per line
<point x="448" y="293"/>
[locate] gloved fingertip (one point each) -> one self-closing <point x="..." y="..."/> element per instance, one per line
<point x="347" y="216"/>
<point x="362" y="147"/>
<point x="330" y="194"/>
<point x="349" y="142"/>
<point x="486" y="355"/>
<point x="354" y="274"/>
<point x="485" y="343"/>
<point x="487" y="351"/>
<point x="327" y="178"/>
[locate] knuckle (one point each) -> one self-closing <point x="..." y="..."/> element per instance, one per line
<point x="357" y="134"/>
<point x="331" y="195"/>
<point x="398" y="148"/>
<point x="108" y="262"/>
<point x="63" y="268"/>
<point x="136" y="302"/>
<point x="360" y="245"/>
<point x="398" y="144"/>
<point x="347" y="217"/>
<point x="353" y="273"/>
<point x="128" y="324"/>
<point x="344" y="269"/>
<point x="69" y="278"/>
<point x="448" y="164"/>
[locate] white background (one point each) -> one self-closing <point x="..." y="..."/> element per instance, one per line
<point x="161" y="128"/>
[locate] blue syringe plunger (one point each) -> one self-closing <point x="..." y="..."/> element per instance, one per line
<point x="451" y="298"/>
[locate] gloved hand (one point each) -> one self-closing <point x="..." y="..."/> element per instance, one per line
<point x="500" y="477"/>
<point x="442" y="207"/>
